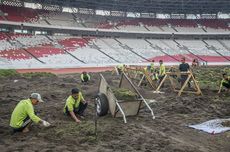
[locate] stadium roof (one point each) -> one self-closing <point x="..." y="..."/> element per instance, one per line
<point x="148" y="6"/>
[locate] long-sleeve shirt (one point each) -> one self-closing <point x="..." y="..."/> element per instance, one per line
<point x="162" y="70"/>
<point x="152" y="66"/>
<point x="23" y="109"/>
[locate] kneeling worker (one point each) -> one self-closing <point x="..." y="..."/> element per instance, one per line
<point x="24" y="113"/>
<point x="225" y="82"/>
<point x="85" y="77"/>
<point x="75" y="105"/>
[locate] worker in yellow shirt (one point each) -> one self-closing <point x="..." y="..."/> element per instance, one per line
<point x="225" y="82"/>
<point x="75" y="105"/>
<point x="162" y="72"/>
<point x="155" y="76"/>
<point x="153" y="71"/>
<point x="23" y="114"/>
<point x="152" y="66"/>
<point x="85" y="77"/>
<point x="120" y="68"/>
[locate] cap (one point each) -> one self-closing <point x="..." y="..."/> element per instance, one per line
<point x="75" y="90"/>
<point x="36" y="96"/>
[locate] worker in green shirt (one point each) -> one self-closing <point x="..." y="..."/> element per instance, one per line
<point x="225" y="82"/>
<point x="120" y="68"/>
<point x="85" y="77"/>
<point x="155" y="75"/>
<point x="162" y="72"/>
<point x="23" y="114"/>
<point x="152" y="66"/>
<point x="75" y="105"/>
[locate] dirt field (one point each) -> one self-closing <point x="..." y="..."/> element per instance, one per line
<point x="167" y="133"/>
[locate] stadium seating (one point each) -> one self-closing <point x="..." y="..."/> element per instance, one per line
<point x="45" y="51"/>
<point x="73" y="43"/>
<point x="92" y="56"/>
<point x="226" y="43"/>
<point x="32" y="40"/>
<point x="141" y="47"/>
<point x="109" y="50"/>
<point x="17" y="54"/>
<point x="199" y="48"/>
<point x="23" y="50"/>
<point x="5" y="45"/>
<point x="19" y="14"/>
<point x="115" y="50"/>
<point x="2" y="36"/>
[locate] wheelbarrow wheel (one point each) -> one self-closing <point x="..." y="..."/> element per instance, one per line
<point x="102" y="104"/>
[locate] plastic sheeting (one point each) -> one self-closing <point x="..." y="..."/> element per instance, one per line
<point x="212" y="126"/>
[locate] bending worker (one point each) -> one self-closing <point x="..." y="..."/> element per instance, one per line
<point x="85" y="77"/>
<point x="150" y="67"/>
<point x="120" y="68"/>
<point x="75" y="105"/>
<point x="225" y="82"/>
<point x="23" y="114"/>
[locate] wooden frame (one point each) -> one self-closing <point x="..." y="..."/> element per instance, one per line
<point x="145" y="73"/>
<point x="180" y="91"/>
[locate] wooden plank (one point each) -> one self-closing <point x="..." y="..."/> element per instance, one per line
<point x="140" y="82"/>
<point x="196" y="84"/>
<point x="180" y="91"/>
<point x="184" y="85"/>
<point x="163" y="80"/>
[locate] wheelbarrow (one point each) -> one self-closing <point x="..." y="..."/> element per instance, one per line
<point x="107" y="102"/>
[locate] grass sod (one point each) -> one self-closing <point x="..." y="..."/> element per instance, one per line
<point x="11" y="73"/>
<point x="207" y="77"/>
<point x="8" y="73"/>
<point x="210" y="77"/>
<point x="84" y="131"/>
<point x="38" y="74"/>
<point x="124" y="94"/>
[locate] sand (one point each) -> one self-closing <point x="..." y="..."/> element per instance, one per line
<point x="167" y="133"/>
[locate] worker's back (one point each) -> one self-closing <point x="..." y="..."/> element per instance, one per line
<point x="184" y="67"/>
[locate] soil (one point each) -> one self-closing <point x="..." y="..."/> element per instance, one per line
<point x="167" y="133"/>
<point x="226" y="124"/>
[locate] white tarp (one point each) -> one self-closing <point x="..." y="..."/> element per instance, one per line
<point x="212" y="126"/>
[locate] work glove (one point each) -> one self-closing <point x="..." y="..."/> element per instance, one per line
<point x="45" y="123"/>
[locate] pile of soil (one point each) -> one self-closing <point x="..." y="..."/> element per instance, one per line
<point x="167" y="133"/>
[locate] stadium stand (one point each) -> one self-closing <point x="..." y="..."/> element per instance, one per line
<point x="78" y="50"/>
<point x="20" y="14"/>
<point x="26" y="49"/>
